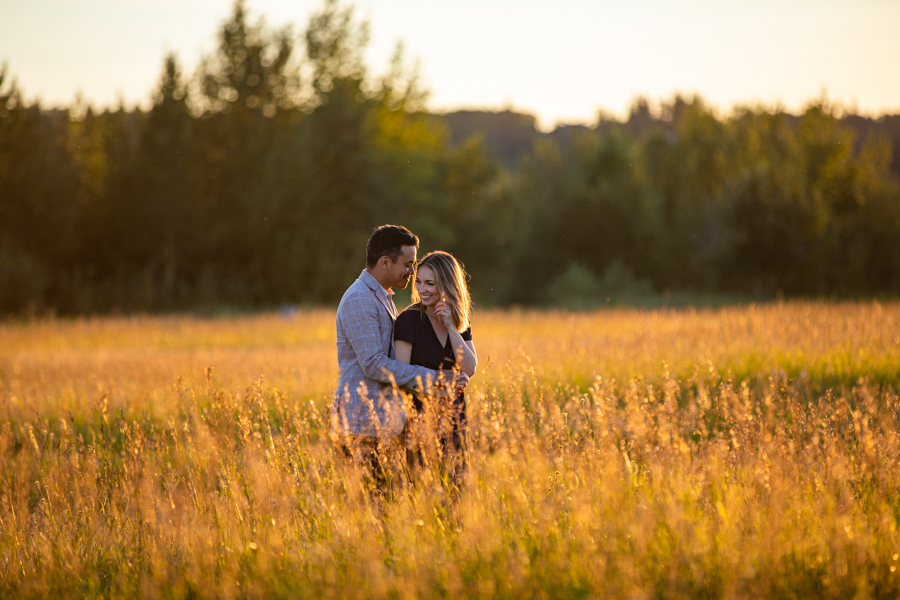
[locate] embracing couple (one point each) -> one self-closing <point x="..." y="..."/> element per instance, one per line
<point x="399" y="397"/>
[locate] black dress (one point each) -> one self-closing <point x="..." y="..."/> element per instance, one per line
<point x="413" y="326"/>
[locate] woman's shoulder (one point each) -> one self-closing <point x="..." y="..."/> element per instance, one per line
<point x="408" y="325"/>
<point x="410" y="313"/>
<point x="410" y="317"/>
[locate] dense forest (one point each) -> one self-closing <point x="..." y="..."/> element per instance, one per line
<point x="255" y="181"/>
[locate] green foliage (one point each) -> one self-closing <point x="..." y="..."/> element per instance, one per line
<point x="758" y="203"/>
<point x="579" y="288"/>
<point x="251" y="70"/>
<point x="256" y="180"/>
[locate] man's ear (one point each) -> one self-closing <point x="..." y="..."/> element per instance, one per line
<point x="384" y="262"/>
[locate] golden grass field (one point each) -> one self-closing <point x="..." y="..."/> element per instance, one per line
<point x="745" y="452"/>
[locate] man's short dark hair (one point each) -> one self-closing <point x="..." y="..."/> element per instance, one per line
<point x="388" y="240"/>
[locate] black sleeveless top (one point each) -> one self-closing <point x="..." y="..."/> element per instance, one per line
<point x="413" y="326"/>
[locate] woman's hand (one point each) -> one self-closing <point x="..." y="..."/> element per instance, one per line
<point x="443" y="312"/>
<point x="462" y="380"/>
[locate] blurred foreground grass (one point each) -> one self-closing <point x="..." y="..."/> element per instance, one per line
<point x="741" y="453"/>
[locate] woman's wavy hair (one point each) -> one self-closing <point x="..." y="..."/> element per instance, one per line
<point x="450" y="277"/>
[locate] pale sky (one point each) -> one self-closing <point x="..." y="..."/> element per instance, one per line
<point x="561" y="60"/>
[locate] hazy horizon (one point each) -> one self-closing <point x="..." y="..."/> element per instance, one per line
<point x="562" y="62"/>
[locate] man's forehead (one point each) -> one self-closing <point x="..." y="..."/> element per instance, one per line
<point x="408" y="253"/>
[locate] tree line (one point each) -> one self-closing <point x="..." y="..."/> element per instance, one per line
<point x="256" y="180"/>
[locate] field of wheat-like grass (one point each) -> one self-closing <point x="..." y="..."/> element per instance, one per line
<point x="747" y="452"/>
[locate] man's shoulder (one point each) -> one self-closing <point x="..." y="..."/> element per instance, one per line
<point x="357" y="296"/>
<point x="357" y="289"/>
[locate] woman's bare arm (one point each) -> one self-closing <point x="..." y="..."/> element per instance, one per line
<point x="465" y="353"/>
<point x="402" y="351"/>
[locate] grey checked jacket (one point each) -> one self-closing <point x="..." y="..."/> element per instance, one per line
<point x="367" y="401"/>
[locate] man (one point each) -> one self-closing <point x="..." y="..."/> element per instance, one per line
<point x="368" y="407"/>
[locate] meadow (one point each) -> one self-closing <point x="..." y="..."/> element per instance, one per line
<point x="742" y="452"/>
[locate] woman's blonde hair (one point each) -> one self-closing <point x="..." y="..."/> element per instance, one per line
<point x="450" y="277"/>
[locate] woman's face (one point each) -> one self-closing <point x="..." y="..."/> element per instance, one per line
<point x="426" y="286"/>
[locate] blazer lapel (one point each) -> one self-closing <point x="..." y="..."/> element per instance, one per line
<point x="379" y="294"/>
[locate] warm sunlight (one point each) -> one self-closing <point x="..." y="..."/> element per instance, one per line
<point x="562" y="61"/>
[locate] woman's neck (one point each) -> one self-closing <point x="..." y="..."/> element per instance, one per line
<point x="429" y="310"/>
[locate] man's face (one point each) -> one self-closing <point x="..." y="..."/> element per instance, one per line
<point x="400" y="272"/>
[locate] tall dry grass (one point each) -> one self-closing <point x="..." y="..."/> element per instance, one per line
<point x="739" y="453"/>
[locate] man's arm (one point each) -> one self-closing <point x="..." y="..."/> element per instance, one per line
<point x="360" y="322"/>
<point x="403" y="352"/>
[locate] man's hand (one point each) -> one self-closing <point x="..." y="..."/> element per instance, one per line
<point x="459" y="379"/>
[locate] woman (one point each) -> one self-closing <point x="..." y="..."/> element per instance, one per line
<point x="434" y="332"/>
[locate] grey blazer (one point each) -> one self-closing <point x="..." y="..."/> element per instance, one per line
<point x="367" y="401"/>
